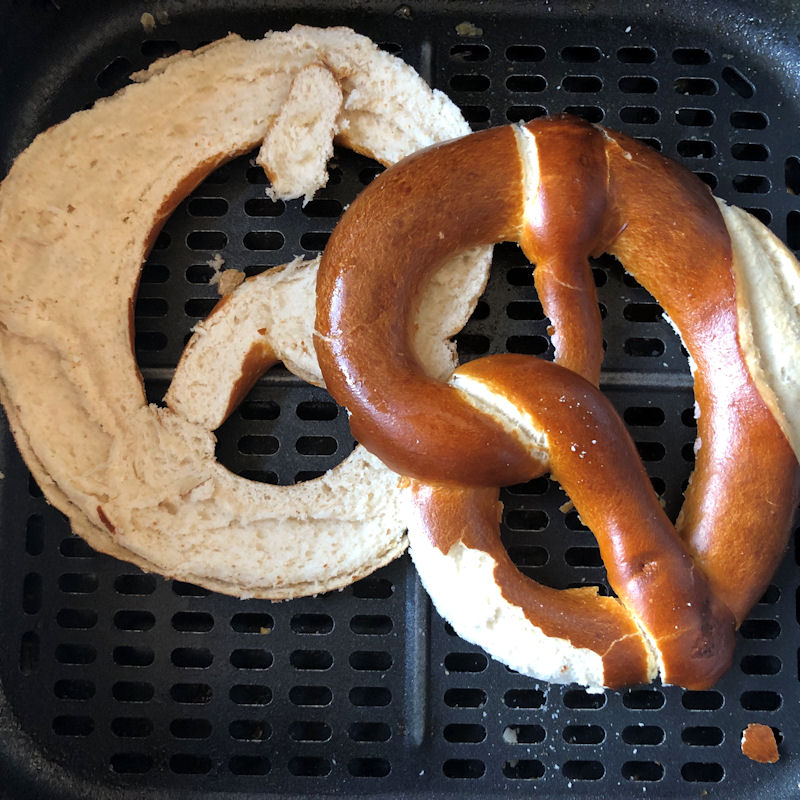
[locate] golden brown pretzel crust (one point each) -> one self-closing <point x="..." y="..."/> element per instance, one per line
<point x="598" y="191"/>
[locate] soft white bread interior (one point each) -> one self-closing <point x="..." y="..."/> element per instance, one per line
<point x="463" y="588"/>
<point x="767" y="299"/>
<point x="78" y="212"/>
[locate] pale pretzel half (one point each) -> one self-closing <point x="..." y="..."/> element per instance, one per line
<point x="564" y="190"/>
<point x="78" y="213"/>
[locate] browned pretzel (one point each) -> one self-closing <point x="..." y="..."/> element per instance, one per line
<point x="566" y="190"/>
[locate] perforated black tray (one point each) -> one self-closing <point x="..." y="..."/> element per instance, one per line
<point x="120" y="684"/>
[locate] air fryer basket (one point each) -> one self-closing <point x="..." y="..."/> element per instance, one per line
<point x="116" y="683"/>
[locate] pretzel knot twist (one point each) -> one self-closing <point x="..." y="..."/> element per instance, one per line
<point x="564" y="190"/>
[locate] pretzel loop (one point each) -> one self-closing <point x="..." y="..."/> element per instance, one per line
<point x="79" y="211"/>
<point x="564" y="190"/>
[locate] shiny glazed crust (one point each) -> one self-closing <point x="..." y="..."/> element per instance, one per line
<point x="566" y="190"/>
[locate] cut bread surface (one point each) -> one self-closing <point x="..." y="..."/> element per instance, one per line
<point x="78" y="213"/>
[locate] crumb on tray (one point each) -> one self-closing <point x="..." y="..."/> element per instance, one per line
<point x="227" y="280"/>
<point x="758" y="743"/>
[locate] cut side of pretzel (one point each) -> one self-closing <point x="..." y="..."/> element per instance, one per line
<point x="78" y="213"/>
<point x="269" y="318"/>
<point x="566" y="190"/>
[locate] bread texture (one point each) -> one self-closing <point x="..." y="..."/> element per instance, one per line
<point x="290" y="154"/>
<point x="78" y="213"/>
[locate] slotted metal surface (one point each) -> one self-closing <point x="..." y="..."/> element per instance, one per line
<point x="114" y="681"/>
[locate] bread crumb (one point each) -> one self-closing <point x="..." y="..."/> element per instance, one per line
<point x="510" y="735"/>
<point x="758" y="743"/>
<point x="468" y="29"/>
<point x="148" y="22"/>
<point x="227" y="280"/>
<point x="216" y="263"/>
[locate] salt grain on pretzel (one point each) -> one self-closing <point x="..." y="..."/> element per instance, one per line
<point x="78" y="212"/>
<point x="565" y="190"/>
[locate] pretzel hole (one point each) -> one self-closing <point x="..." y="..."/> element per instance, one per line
<point x="280" y="435"/>
<point x="537" y="486"/>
